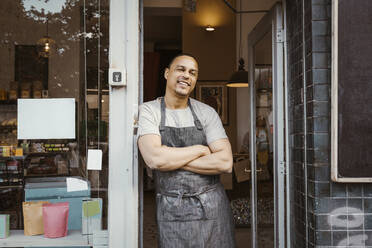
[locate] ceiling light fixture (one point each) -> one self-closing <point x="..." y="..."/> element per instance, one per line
<point x="239" y="79"/>
<point x="209" y="28"/>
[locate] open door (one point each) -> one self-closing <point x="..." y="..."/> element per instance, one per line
<point x="271" y="91"/>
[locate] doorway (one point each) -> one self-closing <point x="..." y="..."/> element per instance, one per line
<point x="257" y="202"/>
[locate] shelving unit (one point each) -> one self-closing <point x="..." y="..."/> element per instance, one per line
<point x="18" y="239"/>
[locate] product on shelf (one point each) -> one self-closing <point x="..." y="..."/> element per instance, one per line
<point x="37" y="88"/>
<point x="4" y="225"/>
<point x="91" y="215"/>
<point x="13" y="91"/>
<point x="55" y="189"/>
<point x="11" y="150"/>
<point x="33" y="218"/>
<point x="25" y="90"/>
<point x="55" y="218"/>
<point x="3" y="95"/>
<point x="6" y="151"/>
<point x="9" y="122"/>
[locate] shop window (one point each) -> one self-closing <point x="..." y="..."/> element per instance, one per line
<point x="54" y="50"/>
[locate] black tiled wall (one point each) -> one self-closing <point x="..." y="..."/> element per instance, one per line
<point x="297" y="123"/>
<point x="324" y="213"/>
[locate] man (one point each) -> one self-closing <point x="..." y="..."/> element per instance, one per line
<point x="184" y="142"/>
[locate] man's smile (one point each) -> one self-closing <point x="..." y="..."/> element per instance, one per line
<point x="183" y="83"/>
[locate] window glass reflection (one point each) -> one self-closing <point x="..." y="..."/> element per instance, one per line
<point x="53" y="49"/>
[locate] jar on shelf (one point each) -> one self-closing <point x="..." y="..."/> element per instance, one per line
<point x="13" y="91"/>
<point x="3" y="95"/>
<point x="37" y="88"/>
<point x="25" y="90"/>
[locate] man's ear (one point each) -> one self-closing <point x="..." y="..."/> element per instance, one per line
<point x="166" y="73"/>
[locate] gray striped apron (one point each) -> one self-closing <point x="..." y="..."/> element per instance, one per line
<point x="192" y="209"/>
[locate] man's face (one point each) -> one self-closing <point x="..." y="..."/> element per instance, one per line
<point x="182" y="75"/>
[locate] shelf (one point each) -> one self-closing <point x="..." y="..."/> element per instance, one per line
<point x="45" y="175"/>
<point x="41" y="154"/>
<point x="13" y="157"/>
<point x="8" y="102"/>
<point x="11" y="186"/>
<point x="17" y="238"/>
<point x="7" y="128"/>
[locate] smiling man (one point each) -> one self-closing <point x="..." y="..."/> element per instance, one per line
<point x="184" y="142"/>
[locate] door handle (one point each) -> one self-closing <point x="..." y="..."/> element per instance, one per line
<point x="249" y="171"/>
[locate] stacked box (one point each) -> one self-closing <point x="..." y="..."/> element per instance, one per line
<point x="54" y="189"/>
<point x="4" y="225"/>
<point x="91" y="215"/>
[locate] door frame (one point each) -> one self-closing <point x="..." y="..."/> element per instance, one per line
<point x="274" y="22"/>
<point x="124" y="56"/>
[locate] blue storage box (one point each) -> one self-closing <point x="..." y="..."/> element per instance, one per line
<point x="54" y="189"/>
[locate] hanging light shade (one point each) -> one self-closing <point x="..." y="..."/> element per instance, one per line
<point x="46" y="43"/>
<point x="239" y="78"/>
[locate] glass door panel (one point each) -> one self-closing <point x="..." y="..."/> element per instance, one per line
<point x="267" y="144"/>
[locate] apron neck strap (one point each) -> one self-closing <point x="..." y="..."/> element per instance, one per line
<point x="197" y="122"/>
<point x="162" y="111"/>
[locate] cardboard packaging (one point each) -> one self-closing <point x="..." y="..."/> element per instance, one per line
<point x="242" y="170"/>
<point x="33" y="218"/>
<point x="91" y="215"/>
<point x="226" y="180"/>
<point x="4" y="225"/>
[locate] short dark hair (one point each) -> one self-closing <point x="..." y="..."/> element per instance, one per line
<point x="179" y="55"/>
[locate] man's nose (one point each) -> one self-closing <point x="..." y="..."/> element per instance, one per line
<point x="186" y="74"/>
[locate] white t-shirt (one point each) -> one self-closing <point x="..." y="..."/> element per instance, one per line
<point x="150" y="116"/>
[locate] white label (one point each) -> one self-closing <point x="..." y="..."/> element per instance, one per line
<point x="74" y="184"/>
<point x="94" y="159"/>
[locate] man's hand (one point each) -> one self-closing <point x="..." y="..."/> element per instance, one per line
<point x="163" y="158"/>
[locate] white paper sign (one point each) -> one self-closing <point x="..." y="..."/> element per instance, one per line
<point x="74" y="184"/>
<point x="94" y="159"/>
<point x="51" y="118"/>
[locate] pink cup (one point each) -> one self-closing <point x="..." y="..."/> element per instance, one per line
<point x="55" y="218"/>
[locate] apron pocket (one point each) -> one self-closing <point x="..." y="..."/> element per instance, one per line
<point x="212" y="202"/>
<point x="170" y="208"/>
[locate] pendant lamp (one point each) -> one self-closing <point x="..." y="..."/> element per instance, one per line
<point x="239" y="78"/>
<point x="46" y="43"/>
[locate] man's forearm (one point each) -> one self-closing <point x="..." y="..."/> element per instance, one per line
<point x="164" y="158"/>
<point x="215" y="163"/>
<point x="172" y="158"/>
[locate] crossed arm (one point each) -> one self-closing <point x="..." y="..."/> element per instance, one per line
<point x="215" y="159"/>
